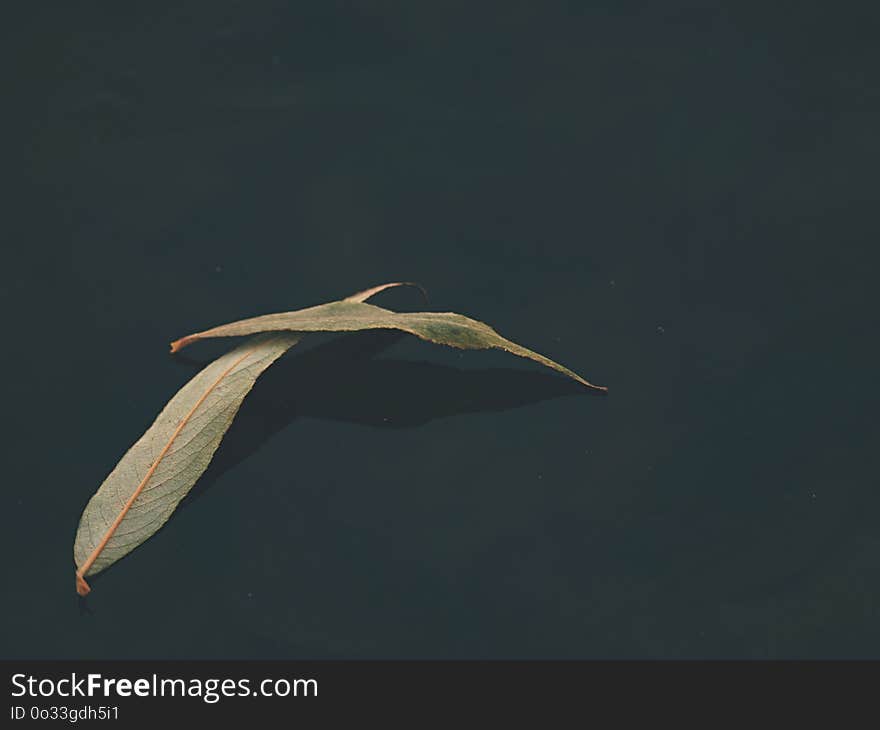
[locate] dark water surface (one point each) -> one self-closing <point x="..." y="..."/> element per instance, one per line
<point x="677" y="202"/>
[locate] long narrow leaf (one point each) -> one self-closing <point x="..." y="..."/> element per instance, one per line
<point x="352" y="314"/>
<point x="140" y="494"/>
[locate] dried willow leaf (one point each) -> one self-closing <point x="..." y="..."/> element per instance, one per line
<point x="157" y="472"/>
<point x="352" y="314"/>
<point x="140" y="494"/>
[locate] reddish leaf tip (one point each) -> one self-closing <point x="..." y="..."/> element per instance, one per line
<point x="178" y="345"/>
<point x="82" y="588"/>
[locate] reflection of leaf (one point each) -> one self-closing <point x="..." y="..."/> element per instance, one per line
<point x="352" y="314"/>
<point x="143" y="490"/>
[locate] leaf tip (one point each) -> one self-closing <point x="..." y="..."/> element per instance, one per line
<point x="362" y="296"/>
<point x="178" y="345"/>
<point x="82" y="588"/>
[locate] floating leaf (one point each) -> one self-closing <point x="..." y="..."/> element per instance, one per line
<point x="352" y="314"/>
<point x="140" y="494"/>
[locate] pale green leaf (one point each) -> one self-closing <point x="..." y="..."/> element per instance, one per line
<point x="352" y="314"/>
<point x="145" y="487"/>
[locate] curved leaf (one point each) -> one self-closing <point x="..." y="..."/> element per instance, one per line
<point x="352" y="314"/>
<point x="148" y="483"/>
<point x="140" y="494"/>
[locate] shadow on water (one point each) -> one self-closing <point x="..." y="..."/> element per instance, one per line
<point x="340" y="380"/>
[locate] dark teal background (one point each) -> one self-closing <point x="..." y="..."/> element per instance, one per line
<point x="676" y="201"/>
